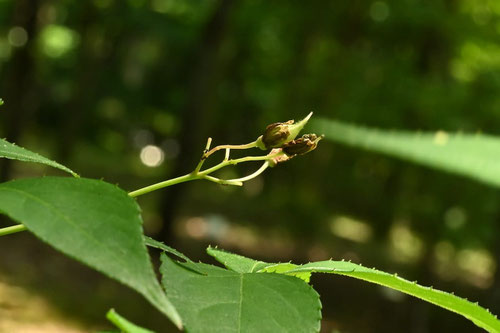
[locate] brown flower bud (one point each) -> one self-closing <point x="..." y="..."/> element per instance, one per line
<point x="303" y="145"/>
<point x="277" y="134"/>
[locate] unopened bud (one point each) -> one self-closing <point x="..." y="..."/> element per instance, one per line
<point x="303" y="145"/>
<point x="277" y="134"/>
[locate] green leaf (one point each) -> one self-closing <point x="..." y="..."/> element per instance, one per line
<point x="471" y="155"/>
<point x="159" y="245"/>
<point x="92" y="221"/>
<point x="480" y="316"/>
<point x="243" y="264"/>
<point x="213" y="299"/>
<point x="13" y="152"/>
<point x="123" y="324"/>
<point x="236" y="262"/>
<point x="472" y="311"/>
<point x="285" y="268"/>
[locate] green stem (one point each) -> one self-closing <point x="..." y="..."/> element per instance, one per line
<point x="12" y="230"/>
<point x="196" y="174"/>
<point x="223" y="181"/>
<point x="245" y="146"/>
<point x="203" y="158"/>
<point x="238" y="160"/>
<point x="253" y="175"/>
<point x="124" y="325"/>
<point x="170" y="182"/>
<point x="203" y="175"/>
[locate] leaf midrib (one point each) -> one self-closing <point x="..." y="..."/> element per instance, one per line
<point x="240" y="305"/>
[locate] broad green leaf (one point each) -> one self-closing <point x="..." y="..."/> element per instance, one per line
<point x="480" y="316"/>
<point x="471" y="155"/>
<point x="213" y="299"/>
<point x="123" y="324"/>
<point x="13" y="152"/>
<point x="92" y="221"/>
<point x="243" y="264"/>
<point x="472" y="311"/>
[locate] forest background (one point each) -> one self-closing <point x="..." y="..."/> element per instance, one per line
<point x="129" y="91"/>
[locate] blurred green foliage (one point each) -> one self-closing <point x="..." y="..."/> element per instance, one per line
<point x="109" y="87"/>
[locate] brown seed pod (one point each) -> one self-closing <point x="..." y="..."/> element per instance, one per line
<point x="302" y="145"/>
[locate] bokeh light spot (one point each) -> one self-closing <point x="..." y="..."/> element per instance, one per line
<point x="196" y="227"/>
<point x="479" y="266"/>
<point x="152" y="156"/>
<point x="406" y="245"/>
<point x="17" y="36"/>
<point x="58" y="40"/>
<point x="349" y="228"/>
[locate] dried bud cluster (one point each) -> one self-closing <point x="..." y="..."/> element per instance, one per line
<point x="277" y="134"/>
<point x="280" y="137"/>
<point x="303" y="145"/>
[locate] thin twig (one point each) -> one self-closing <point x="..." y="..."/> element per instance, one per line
<point x="203" y="158"/>
<point x="253" y="175"/>
<point x="245" y="146"/>
<point x="223" y="181"/>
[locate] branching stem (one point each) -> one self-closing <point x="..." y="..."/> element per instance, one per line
<point x="253" y="175"/>
<point x="245" y="146"/>
<point x="196" y="174"/>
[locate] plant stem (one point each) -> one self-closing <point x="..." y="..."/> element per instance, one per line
<point x="170" y="182"/>
<point x="123" y="324"/>
<point x="12" y="230"/>
<point x="253" y="175"/>
<point x="245" y="146"/>
<point x="238" y="160"/>
<point x="234" y="182"/>
<point x="203" y="158"/>
<point x="196" y="174"/>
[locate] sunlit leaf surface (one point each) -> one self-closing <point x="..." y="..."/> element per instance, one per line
<point x="92" y="221"/>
